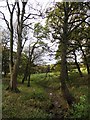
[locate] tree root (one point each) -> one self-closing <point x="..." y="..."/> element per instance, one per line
<point x="15" y="90"/>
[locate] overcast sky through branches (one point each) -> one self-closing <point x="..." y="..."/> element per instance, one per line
<point x="44" y="4"/>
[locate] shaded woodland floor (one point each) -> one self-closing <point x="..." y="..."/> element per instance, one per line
<point x="44" y="100"/>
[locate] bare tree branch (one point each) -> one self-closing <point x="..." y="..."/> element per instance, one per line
<point x="8" y="6"/>
<point x="76" y="26"/>
<point x="4" y="18"/>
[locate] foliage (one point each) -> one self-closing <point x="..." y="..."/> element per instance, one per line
<point x="5" y="60"/>
<point x="40" y="31"/>
<point x="75" y="23"/>
<point x="80" y="109"/>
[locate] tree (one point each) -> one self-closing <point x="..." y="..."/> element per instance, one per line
<point x="81" y="43"/>
<point x="11" y="30"/>
<point x="35" y="51"/>
<point x="22" y="22"/>
<point x="64" y="19"/>
<point x="76" y="62"/>
<point x="20" y="19"/>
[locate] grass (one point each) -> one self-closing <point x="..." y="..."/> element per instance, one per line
<point x="29" y="103"/>
<point x="36" y="102"/>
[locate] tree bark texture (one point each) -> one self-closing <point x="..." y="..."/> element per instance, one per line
<point x="25" y="74"/>
<point x="64" y="71"/>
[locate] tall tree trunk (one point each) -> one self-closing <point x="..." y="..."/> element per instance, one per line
<point x="29" y="70"/>
<point x="29" y="79"/>
<point x="11" y="30"/>
<point x="14" y="74"/>
<point x="25" y="74"/>
<point x="63" y="77"/>
<point x="30" y="66"/>
<point x="77" y="64"/>
<point x="89" y="95"/>
<point x="13" y="81"/>
<point x="64" y="71"/>
<point x="11" y="52"/>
